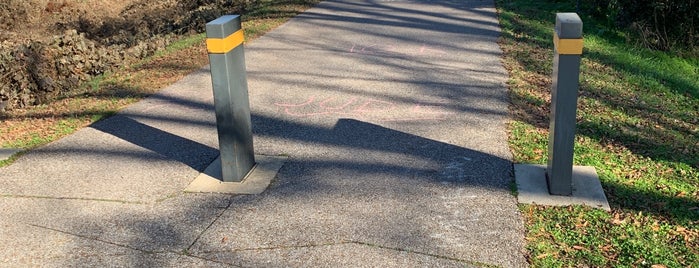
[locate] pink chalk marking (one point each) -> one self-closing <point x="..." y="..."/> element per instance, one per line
<point x="323" y="111"/>
<point x="365" y="107"/>
<point x="323" y="103"/>
<point x="310" y="100"/>
<point x="289" y="112"/>
<point x="369" y="109"/>
<point x="395" y="49"/>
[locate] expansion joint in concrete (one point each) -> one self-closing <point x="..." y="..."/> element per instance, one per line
<point x="349" y="242"/>
<point x="94" y="239"/>
<point x="182" y="253"/>
<point x="69" y="198"/>
<point x="230" y="202"/>
<point x="474" y="263"/>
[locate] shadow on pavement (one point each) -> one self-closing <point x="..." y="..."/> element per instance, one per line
<point x="376" y="187"/>
<point x="189" y="152"/>
<point x="355" y="182"/>
<point x="468" y="167"/>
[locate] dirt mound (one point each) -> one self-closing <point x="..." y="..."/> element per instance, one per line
<point x="37" y="19"/>
<point x="49" y="47"/>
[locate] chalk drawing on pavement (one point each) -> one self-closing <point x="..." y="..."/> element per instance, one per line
<point x="362" y="108"/>
<point x="381" y="49"/>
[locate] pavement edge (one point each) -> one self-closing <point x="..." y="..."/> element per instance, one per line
<point x="7" y="153"/>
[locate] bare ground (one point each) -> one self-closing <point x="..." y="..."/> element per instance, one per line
<point x="36" y="19"/>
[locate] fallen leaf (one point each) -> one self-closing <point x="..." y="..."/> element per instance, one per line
<point x="658" y="266"/>
<point x="579" y="247"/>
<point x="541" y="256"/>
<point x="617" y="219"/>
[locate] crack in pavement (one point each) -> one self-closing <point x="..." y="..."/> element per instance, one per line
<point x="230" y="202"/>
<point x="352" y="242"/>
<point x="70" y="198"/>
<point x="97" y="239"/>
<point x="182" y="253"/>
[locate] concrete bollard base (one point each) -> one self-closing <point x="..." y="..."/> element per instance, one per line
<point x="255" y="182"/>
<point x="532" y="188"/>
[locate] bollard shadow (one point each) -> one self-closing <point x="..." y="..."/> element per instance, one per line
<point x="189" y="152"/>
<point x="436" y="161"/>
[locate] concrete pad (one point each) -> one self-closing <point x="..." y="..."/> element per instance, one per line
<point x="6" y="153"/>
<point x="257" y="180"/>
<point x="532" y="188"/>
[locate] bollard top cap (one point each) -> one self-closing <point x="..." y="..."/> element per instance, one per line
<point x="568" y="26"/>
<point x="223" y="26"/>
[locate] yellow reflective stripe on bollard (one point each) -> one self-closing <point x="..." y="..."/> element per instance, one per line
<point x="567" y="46"/>
<point x="223" y="45"/>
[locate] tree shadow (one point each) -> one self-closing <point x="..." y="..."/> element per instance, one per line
<point x="670" y="137"/>
<point x="470" y="167"/>
<point x="681" y="210"/>
<point x="681" y="85"/>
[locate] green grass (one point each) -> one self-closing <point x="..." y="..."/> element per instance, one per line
<point x="181" y="44"/>
<point x="637" y="124"/>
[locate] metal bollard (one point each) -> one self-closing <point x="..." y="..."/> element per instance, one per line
<point x="568" y="45"/>
<point x="226" y="55"/>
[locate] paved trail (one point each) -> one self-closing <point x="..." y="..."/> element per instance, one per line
<point x="392" y="114"/>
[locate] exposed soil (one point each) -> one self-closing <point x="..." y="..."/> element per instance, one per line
<point x="39" y="19"/>
<point x="110" y="22"/>
<point x="48" y="48"/>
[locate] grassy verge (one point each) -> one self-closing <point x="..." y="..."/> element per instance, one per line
<point x="637" y="124"/>
<point x="104" y="96"/>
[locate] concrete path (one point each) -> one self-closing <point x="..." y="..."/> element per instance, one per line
<point x="392" y="114"/>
